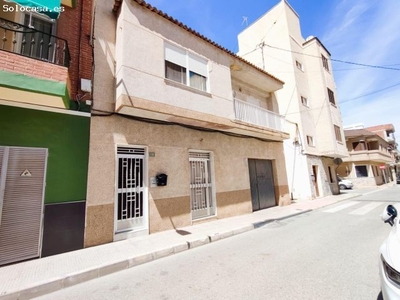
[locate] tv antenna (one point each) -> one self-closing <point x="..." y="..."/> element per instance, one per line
<point x="245" y="21"/>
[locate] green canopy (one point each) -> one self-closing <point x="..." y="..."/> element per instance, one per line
<point x="51" y="8"/>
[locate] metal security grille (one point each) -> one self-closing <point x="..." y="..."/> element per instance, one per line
<point x="131" y="189"/>
<point x="22" y="177"/>
<point x="201" y="189"/>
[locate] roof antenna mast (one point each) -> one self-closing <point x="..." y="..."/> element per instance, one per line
<point x="245" y="21"/>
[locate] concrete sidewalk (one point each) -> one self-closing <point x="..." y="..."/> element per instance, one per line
<point x="33" y="278"/>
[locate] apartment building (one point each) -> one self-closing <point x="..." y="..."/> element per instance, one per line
<point x="373" y="156"/>
<point x="183" y="131"/>
<point x="386" y="131"/>
<point x="44" y="136"/>
<point x="308" y="99"/>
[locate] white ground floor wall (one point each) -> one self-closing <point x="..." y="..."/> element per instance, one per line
<point x="309" y="176"/>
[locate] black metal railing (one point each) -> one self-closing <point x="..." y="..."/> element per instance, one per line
<point x="26" y="41"/>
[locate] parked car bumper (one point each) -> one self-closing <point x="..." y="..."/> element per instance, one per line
<point x="345" y="186"/>
<point x="390" y="290"/>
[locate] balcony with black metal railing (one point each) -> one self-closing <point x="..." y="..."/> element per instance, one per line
<point x="34" y="66"/>
<point x="36" y="44"/>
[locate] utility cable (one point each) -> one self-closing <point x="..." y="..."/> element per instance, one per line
<point x="336" y="60"/>
<point x="370" y="93"/>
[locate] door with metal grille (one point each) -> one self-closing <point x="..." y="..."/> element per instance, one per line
<point x="131" y="202"/>
<point x="201" y="187"/>
<point x="261" y="184"/>
<point x="22" y="181"/>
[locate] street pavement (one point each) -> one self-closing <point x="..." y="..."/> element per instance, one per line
<point x="38" y="277"/>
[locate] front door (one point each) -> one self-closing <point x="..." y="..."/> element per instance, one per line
<point x="315" y="180"/>
<point x="22" y="178"/>
<point x="201" y="188"/>
<point x="131" y="202"/>
<point x="261" y="184"/>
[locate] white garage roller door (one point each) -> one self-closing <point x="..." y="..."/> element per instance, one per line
<point x="22" y="177"/>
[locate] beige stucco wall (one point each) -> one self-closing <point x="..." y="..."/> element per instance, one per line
<point x="129" y="68"/>
<point x="142" y="63"/>
<point x="104" y="56"/>
<point x="324" y="114"/>
<point x="169" y="206"/>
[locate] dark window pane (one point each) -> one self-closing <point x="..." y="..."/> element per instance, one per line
<point x="175" y="72"/>
<point x="197" y="81"/>
<point x="361" y="171"/>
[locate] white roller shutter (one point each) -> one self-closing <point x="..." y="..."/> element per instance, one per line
<point x="175" y="55"/>
<point x="198" y="65"/>
<point x="21" y="222"/>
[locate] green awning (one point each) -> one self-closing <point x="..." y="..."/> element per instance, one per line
<point x="51" y="8"/>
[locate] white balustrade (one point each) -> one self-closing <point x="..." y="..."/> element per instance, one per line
<point x="253" y="114"/>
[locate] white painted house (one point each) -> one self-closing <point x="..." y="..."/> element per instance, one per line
<point x="182" y="130"/>
<point x="308" y="100"/>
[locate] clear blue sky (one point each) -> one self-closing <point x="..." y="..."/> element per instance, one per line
<point x="361" y="31"/>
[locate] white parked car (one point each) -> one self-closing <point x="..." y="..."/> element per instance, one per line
<point x="389" y="262"/>
<point x="344" y="183"/>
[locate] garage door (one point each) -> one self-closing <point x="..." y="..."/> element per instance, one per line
<point x="22" y="177"/>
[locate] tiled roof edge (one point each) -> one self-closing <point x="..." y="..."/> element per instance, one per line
<point x="117" y="5"/>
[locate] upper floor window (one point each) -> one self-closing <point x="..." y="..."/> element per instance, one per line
<point x="337" y="133"/>
<point x="359" y="146"/>
<point x="35" y="43"/>
<point x="186" y="68"/>
<point x="325" y="62"/>
<point x="304" y="101"/>
<point x="299" y="65"/>
<point x="331" y="96"/>
<point x="310" y="140"/>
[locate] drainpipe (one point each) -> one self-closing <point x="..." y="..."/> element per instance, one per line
<point x="296" y="144"/>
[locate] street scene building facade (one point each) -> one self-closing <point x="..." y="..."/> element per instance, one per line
<point x="118" y="121"/>
<point x="182" y="130"/>
<point x="373" y="157"/>
<point x="308" y="100"/>
<point x="44" y="136"/>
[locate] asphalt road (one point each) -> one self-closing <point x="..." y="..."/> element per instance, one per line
<point x="331" y="253"/>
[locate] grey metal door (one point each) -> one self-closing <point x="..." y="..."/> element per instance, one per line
<point x="22" y="180"/>
<point x="261" y="184"/>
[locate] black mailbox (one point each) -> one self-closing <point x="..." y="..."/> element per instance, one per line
<point x="162" y="179"/>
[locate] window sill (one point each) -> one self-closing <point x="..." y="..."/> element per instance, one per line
<point x="187" y="88"/>
<point x="333" y="104"/>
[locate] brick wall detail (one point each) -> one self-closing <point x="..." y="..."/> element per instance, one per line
<point x="15" y="63"/>
<point x="74" y="25"/>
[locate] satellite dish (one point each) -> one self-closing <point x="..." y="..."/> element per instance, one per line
<point x="337" y="161"/>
